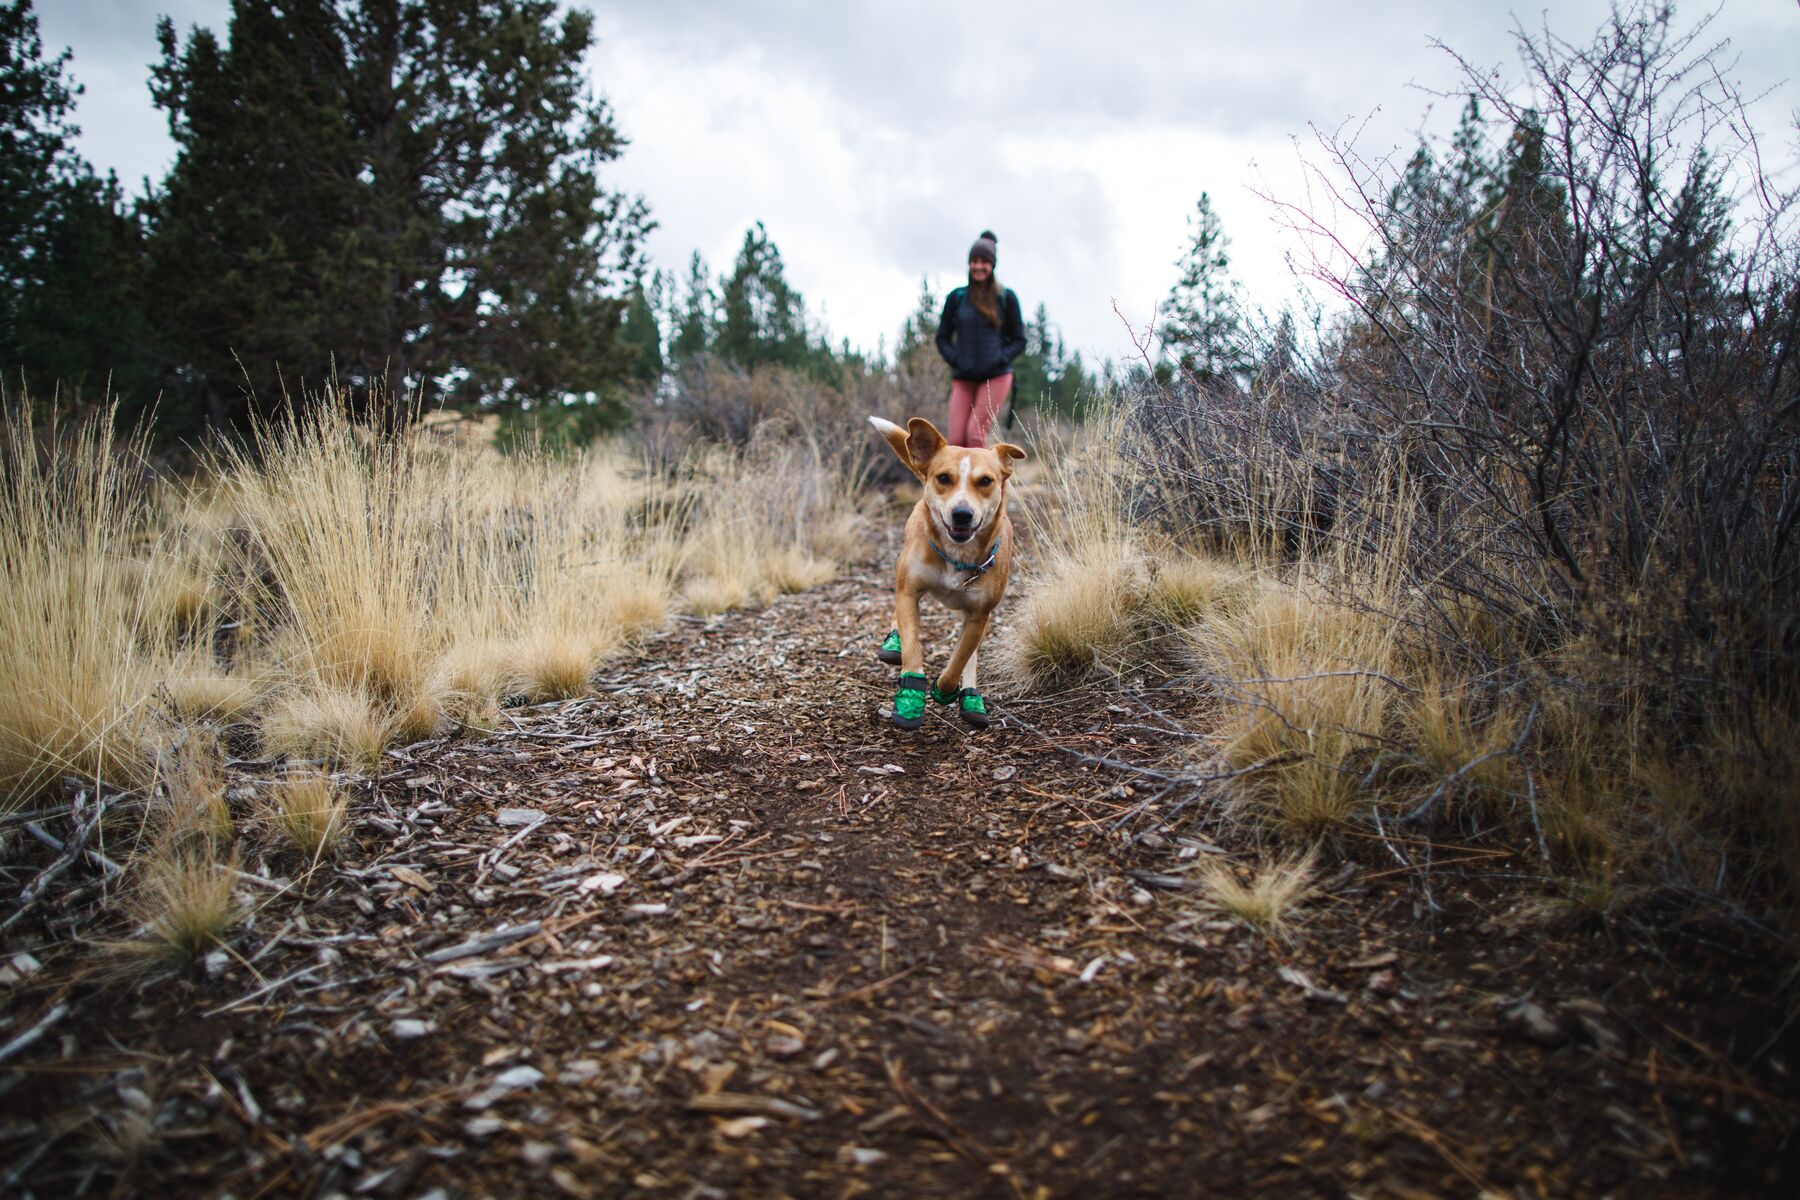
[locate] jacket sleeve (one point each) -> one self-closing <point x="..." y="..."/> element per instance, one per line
<point x="1012" y="329"/>
<point x="946" y="334"/>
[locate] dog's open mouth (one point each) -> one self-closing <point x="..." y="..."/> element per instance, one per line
<point x="959" y="536"/>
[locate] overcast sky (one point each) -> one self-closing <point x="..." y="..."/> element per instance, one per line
<point x="875" y="140"/>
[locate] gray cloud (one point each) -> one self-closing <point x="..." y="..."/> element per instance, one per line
<point x="876" y="139"/>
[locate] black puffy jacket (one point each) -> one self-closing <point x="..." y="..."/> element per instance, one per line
<point x="974" y="349"/>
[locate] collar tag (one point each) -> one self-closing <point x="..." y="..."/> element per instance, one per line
<point x="979" y="569"/>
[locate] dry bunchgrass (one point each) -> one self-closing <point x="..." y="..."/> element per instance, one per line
<point x="329" y="721"/>
<point x="770" y="520"/>
<point x="557" y="654"/>
<point x="1082" y="609"/>
<point x="193" y="788"/>
<point x="309" y="811"/>
<point x="1079" y="615"/>
<point x="339" y="528"/>
<point x="184" y="573"/>
<point x="76" y="670"/>
<point x="1454" y="739"/>
<point x="185" y="904"/>
<point x="1188" y="589"/>
<point x="201" y="689"/>
<point x="1268" y="897"/>
<point x="411" y="586"/>
<point x="377" y="587"/>
<point x="477" y="672"/>
<point x="1310" y="686"/>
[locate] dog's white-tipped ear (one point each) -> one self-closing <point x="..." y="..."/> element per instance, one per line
<point x="896" y="440"/>
<point x="923" y="441"/>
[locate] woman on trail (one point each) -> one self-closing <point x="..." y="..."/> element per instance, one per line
<point x="979" y="335"/>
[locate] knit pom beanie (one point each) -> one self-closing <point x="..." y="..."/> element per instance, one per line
<point x="986" y="246"/>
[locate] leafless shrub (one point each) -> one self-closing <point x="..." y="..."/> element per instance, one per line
<point x="1580" y="352"/>
<point x="709" y="402"/>
<point x="1563" y="419"/>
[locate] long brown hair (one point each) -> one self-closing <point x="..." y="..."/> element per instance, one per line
<point x="986" y="298"/>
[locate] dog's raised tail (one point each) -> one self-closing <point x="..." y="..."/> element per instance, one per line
<point x="885" y="427"/>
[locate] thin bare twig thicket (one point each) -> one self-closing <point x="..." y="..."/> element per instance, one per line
<point x="1525" y="516"/>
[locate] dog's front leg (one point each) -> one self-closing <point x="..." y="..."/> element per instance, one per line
<point x="906" y="620"/>
<point x="973" y="630"/>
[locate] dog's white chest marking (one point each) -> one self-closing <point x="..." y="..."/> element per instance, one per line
<point x="949" y="586"/>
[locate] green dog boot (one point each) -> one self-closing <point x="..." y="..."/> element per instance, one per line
<point x="974" y="710"/>
<point x="969" y="704"/>
<point x="890" y="649"/>
<point x="909" y="701"/>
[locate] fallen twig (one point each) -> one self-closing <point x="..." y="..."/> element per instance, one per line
<point x="30" y="1036"/>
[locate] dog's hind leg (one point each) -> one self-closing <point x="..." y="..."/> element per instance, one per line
<point x="963" y="660"/>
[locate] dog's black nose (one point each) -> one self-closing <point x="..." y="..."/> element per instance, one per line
<point x="961" y="518"/>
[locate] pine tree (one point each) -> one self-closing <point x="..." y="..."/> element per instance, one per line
<point x="694" y="331"/>
<point x="404" y="192"/>
<point x="919" y="333"/>
<point x="36" y="164"/>
<point x="83" y="327"/>
<point x="1202" y="326"/>
<point x="641" y="336"/>
<point x="1035" y="371"/>
<point x="71" y="249"/>
<point x="763" y="319"/>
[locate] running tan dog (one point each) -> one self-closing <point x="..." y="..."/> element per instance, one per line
<point x="959" y="545"/>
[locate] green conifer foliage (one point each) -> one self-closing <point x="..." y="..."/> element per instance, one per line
<point x="403" y="194"/>
<point x="763" y="319"/>
<point x="71" y="308"/>
<point x="695" y="327"/>
<point x="1202" y="320"/>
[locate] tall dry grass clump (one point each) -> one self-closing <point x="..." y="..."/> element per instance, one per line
<point x="404" y="587"/>
<point x="340" y="528"/>
<point x="1268" y="898"/>
<point x="1106" y="588"/>
<point x="309" y="811"/>
<point x="185" y="905"/>
<point x="1310" y="702"/>
<point x="77" y="665"/>
<point x="774" y="517"/>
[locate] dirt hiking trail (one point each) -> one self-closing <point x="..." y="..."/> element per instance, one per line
<point x="719" y="930"/>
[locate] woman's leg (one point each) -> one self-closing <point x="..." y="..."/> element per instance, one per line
<point x="990" y="398"/>
<point x="962" y="403"/>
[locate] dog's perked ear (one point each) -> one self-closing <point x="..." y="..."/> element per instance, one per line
<point x="923" y="441"/>
<point x="914" y="445"/>
<point x="1007" y="452"/>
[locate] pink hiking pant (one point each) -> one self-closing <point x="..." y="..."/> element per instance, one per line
<point x="973" y="406"/>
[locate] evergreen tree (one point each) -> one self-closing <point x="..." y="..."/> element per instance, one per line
<point x="919" y="333"/>
<point x="83" y="327"/>
<point x="763" y="320"/>
<point x="1035" y="370"/>
<point x="36" y="164"/>
<point x="71" y="313"/>
<point x="1046" y="376"/>
<point x="1202" y="325"/>
<point x="641" y="335"/>
<point x="1071" y="389"/>
<point x="694" y="331"/>
<point x="405" y="192"/>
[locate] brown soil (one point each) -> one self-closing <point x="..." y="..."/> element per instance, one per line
<point x="841" y="959"/>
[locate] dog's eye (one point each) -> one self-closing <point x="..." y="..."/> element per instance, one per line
<point x="943" y="479"/>
<point x="985" y="481"/>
